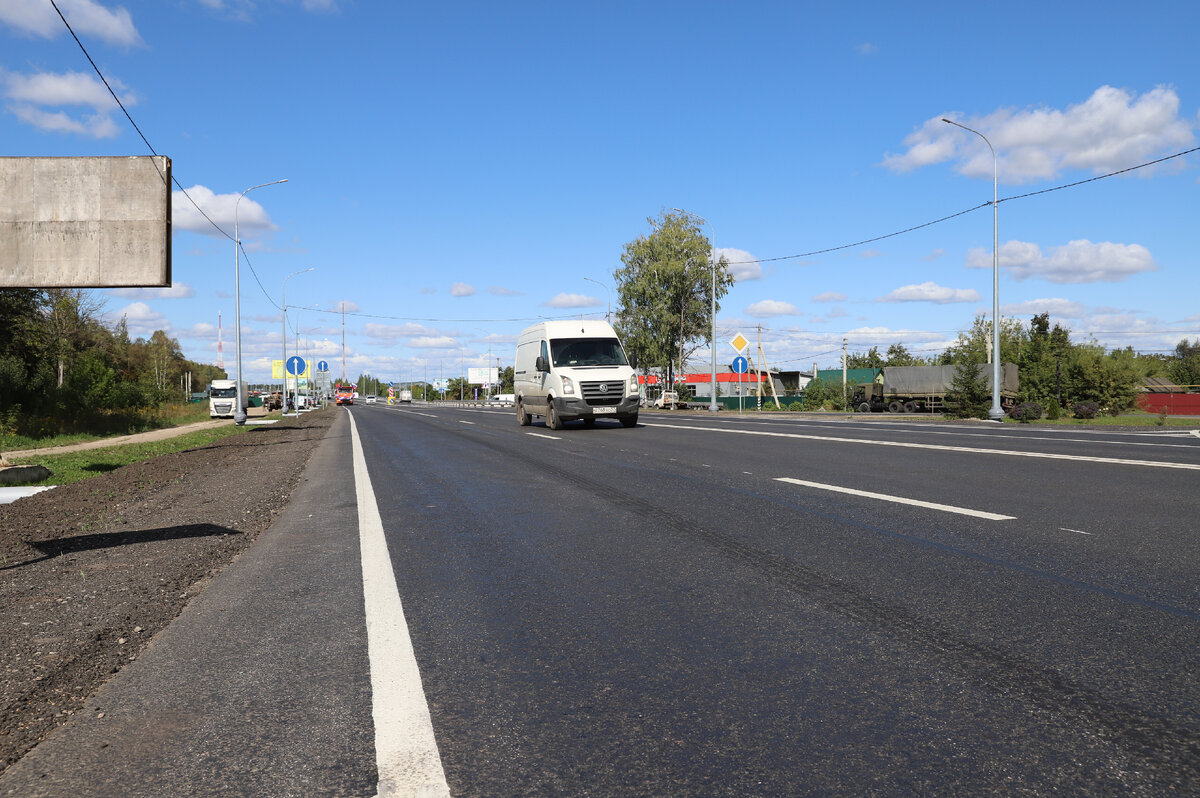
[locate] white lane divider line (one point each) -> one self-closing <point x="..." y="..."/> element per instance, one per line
<point x="939" y="447"/>
<point x="947" y="508"/>
<point x="1077" y="531"/>
<point x="406" y="752"/>
<point x="547" y="437"/>
<point x="472" y="423"/>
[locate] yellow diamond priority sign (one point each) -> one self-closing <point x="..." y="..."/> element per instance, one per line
<point x="739" y="342"/>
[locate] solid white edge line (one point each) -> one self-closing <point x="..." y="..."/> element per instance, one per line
<point x="947" y="508"/>
<point x="406" y="752"/>
<point x="941" y="448"/>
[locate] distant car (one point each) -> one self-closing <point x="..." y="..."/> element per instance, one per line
<point x="371" y="399"/>
<point x="668" y="400"/>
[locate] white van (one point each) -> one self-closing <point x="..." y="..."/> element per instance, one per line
<point x="573" y="370"/>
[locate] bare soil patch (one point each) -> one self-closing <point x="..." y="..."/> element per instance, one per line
<point x="90" y="572"/>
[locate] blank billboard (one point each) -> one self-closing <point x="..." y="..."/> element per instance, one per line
<point x="97" y="222"/>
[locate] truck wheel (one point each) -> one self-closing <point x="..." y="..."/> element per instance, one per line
<point x="910" y="407"/>
<point x="865" y="407"/>
<point x="523" y="418"/>
<point x="552" y="419"/>
<point x="895" y="407"/>
<point x="629" y="421"/>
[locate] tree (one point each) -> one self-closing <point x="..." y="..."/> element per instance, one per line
<point x="871" y="360"/>
<point x="665" y="292"/>
<point x="976" y="343"/>
<point x="969" y="396"/>
<point x="1184" y="369"/>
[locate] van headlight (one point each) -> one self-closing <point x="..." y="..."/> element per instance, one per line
<point x="633" y="385"/>
<point x="568" y="386"/>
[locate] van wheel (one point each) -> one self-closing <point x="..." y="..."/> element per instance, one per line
<point x="552" y="419"/>
<point x="629" y="421"/>
<point x="523" y="418"/>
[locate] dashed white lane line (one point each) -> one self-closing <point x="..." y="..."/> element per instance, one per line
<point x="472" y="423"/>
<point x="946" y="508"/>
<point x="940" y="447"/>
<point x="1076" y="531"/>
<point x="406" y="752"/>
<point x="547" y="437"/>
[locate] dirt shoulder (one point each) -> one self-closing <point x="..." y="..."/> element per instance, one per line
<point x="89" y="572"/>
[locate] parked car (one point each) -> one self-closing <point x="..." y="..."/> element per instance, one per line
<point x="668" y="400"/>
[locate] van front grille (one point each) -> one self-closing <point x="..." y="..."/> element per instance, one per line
<point x="609" y="392"/>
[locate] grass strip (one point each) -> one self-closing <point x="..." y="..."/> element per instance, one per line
<point x="78" y="466"/>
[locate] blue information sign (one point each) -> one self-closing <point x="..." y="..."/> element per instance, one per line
<point x="296" y="366"/>
<point x="322" y="365"/>
<point x="740" y="365"/>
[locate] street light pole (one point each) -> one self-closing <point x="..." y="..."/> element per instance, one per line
<point x="239" y="413"/>
<point x="995" y="413"/>
<point x="712" y="338"/>
<point x="607" y="316"/>
<point x="284" y="324"/>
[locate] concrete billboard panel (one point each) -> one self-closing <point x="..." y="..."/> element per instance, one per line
<point x="95" y="222"/>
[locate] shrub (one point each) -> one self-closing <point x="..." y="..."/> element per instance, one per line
<point x="1053" y="412"/>
<point x="796" y="406"/>
<point x="1026" y="412"/>
<point x="1085" y="409"/>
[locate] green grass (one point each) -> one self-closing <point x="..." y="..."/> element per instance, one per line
<point x="1131" y="420"/>
<point x="78" y="466"/>
<point x="169" y="415"/>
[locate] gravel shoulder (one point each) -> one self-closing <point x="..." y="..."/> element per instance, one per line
<point x="90" y="572"/>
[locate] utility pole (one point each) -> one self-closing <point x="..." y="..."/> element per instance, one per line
<point x="843" y="372"/>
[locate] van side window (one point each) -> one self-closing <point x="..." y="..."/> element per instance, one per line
<point x="545" y="353"/>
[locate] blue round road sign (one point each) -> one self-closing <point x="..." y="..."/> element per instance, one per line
<point x="322" y="365"/>
<point x="296" y="366"/>
<point x="740" y="365"/>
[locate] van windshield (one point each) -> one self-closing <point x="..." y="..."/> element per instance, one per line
<point x="587" y="352"/>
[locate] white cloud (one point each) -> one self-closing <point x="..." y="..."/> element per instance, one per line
<point x="140" y="319"/>
<point x="1056" y="307"/>
<point x="38" y="100"/>
<point x="251" y="216"/>
<point x="434" y="342"/>
<point x="1076" y="262"/>
<point x="462" y="289"/>
<point x="742" y="265"/>
<point x="39" y="18"/>
<point x="392" y="332"/>
<point x="931" y="292"/>
<point x="1113" y="129"/>
<point x="175" y="291"/>
<point x="771" y="307"/>
<point x="829" y="296"/>
<point x="573" y="301"/>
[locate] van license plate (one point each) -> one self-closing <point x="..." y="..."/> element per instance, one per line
<point x="598" y="410"/>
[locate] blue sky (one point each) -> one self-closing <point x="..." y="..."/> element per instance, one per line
<point x="459" y="170"/>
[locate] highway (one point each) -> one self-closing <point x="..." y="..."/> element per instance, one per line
<point x="765" y="605"/>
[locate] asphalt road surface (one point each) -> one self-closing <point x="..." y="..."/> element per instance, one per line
<point x="766" y="605"/>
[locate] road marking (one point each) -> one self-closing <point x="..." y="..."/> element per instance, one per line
<point x="547" y="437"/>
<point x="406" y="752"/>
<point x="1077" y="531"/>
<point x="472" y="423"/>
<point x="427" y="415"/>
<point x="940" y="447"/>
<point x="948" y="508"/>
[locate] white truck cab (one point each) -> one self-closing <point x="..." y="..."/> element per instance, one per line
<point x="573" y="370"/>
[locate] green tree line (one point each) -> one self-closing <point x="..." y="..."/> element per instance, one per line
<point x="1054" y="370"/>
<point x="63" y="370"/>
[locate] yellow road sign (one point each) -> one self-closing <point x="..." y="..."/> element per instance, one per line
<point x="739" y="342"/>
